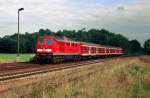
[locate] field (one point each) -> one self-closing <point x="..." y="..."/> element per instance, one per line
<point x="6" y="58"/>
<point x="119" y="78"/>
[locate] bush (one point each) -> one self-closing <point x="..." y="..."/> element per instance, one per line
<point x="147" y="46"/>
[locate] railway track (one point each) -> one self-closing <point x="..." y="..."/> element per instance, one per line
<point x="45" y="69"/>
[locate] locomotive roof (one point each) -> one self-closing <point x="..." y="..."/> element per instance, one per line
<point x="99" y="45"/>
<point x="83" y="43"/>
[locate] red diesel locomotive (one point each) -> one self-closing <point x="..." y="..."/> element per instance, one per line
<point x="49" y="49"/>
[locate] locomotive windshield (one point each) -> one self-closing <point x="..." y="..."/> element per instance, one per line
<point x="40" y="41"/>
<point x="48" y="41"/>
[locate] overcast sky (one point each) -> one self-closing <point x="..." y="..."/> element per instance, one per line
<point x="128" y="17"/>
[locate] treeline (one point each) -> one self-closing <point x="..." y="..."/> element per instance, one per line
<point x="8" y="44"/>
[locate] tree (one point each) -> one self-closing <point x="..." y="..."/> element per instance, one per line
<point x="103" y="37"/>
<point x="147" y="46"/>
<point x="135" y="46"/>
<point x="97" y="36"/>
<point x="7" y="45"/>
<point x="46" y="32"/>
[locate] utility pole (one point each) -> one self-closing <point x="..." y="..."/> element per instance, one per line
<point x="20" y="9"/>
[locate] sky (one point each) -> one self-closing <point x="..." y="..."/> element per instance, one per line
<point x="130" y="18"/>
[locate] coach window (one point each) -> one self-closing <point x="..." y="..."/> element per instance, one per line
<point x="107" y="50"/>
<point x="87" y="49"/>
<point x="40" y="41"/>
<point x="48" y="41"/>
<point x="117" y="51"/>
<point x="92" y="49"/>
<point x="102" y="50"/>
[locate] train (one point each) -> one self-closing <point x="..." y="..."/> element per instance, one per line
<point x="50" y="49"/>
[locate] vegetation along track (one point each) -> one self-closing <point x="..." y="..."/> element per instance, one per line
<point x="44" y="69"/>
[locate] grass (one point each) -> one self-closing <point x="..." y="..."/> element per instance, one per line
<point x="120" y="78"/>
<point x="5" y="58"/>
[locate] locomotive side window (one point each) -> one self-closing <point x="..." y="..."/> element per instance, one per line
<point x="68" y="44"/>
<point x="40" y="41"/>
<point x="76" y="45"/>
<point x="72" y="44"/>
<point x="48" y="41"/>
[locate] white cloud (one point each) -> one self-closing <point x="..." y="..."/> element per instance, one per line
<point x="130" y="19"/>
<point x="133" y="21"/>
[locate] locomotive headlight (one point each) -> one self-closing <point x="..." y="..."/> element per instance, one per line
<point x="48" y="50"/>
<point x="39" y="50"/>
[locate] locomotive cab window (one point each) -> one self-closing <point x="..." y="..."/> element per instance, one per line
<point x="68" y="44"/>
<point x="40" y="41"/>
<point x="48" y="41"/>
